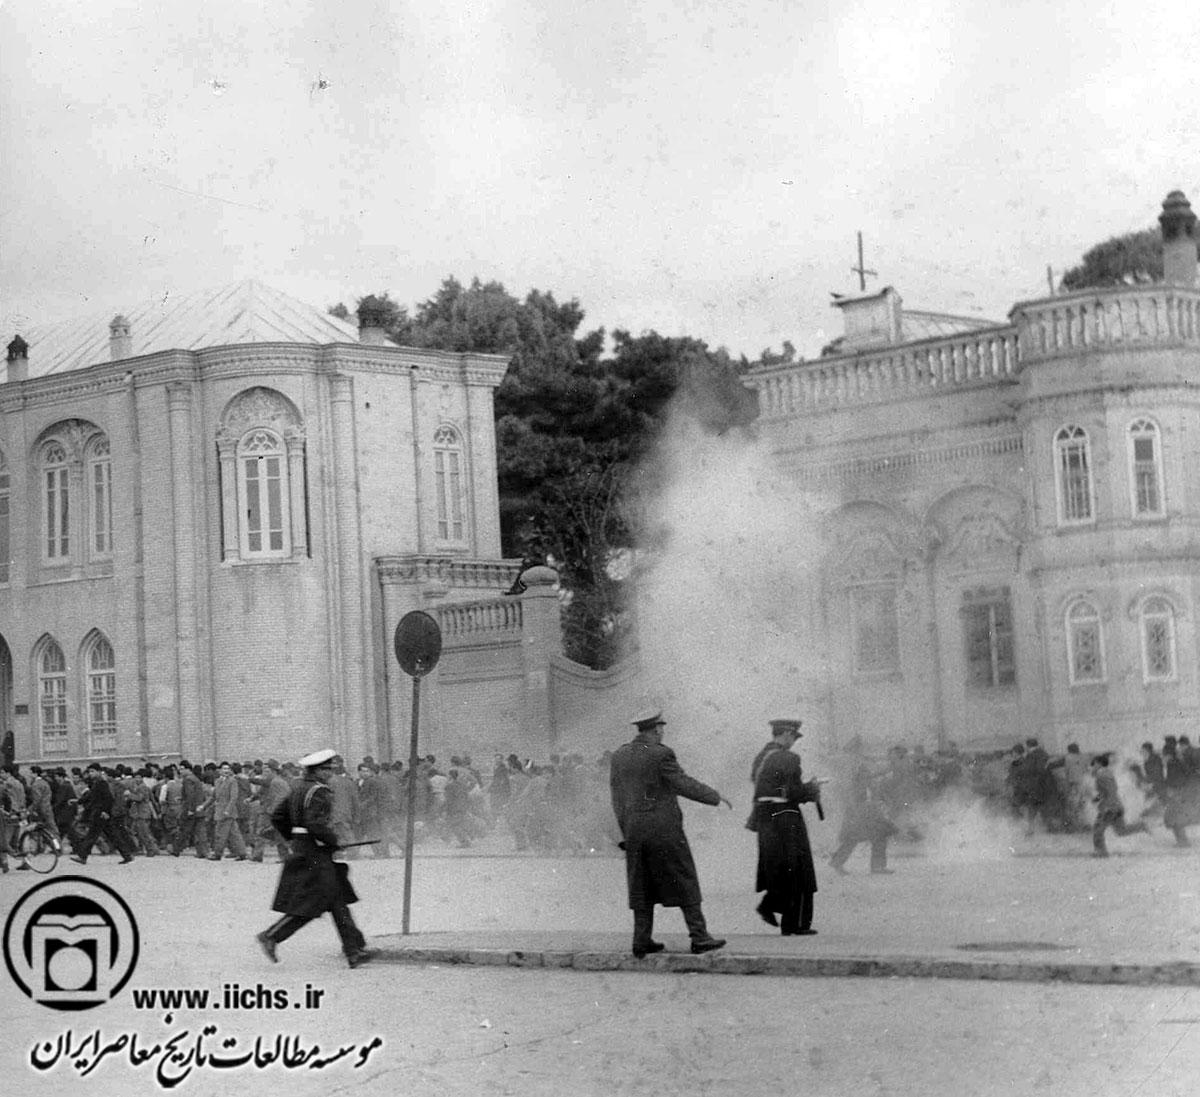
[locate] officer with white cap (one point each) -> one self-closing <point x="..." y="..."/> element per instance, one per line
<point x="311" y="881"/>
<point x="646" y="781"/>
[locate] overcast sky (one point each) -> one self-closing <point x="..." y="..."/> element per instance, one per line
<point x="694" y="167"/>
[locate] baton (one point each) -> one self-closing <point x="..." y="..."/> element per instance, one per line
<point x="368" y="842"/>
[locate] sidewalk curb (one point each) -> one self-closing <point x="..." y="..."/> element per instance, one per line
<point x="1166" y="974"/>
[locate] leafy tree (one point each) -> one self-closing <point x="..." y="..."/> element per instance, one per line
<point x="1133" y="259"/>
<point x="572" y="431"/>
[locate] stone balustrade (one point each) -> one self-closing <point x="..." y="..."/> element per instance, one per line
<point x="1047" y="328"/>
<point x="1107" y="319"/>
<point x="928" y="367"/>
<point x="484" y="621"/>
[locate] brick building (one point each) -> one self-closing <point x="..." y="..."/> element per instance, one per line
<point x="213" y="512"/>
<point x="1014" y="540"/>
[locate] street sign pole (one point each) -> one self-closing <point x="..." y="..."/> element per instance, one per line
<point x="412" y="803"/>
<point x="418" y="644"/>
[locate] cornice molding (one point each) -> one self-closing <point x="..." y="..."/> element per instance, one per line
<point x="456" y="571"/>
<point x="252" y="360"/>
<point x="881" y="464"/>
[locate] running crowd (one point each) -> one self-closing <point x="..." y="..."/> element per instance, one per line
<point x="223" y="809"/>
<point x="1071" y="792"/>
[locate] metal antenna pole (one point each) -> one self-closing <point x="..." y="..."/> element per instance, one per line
<point x="861" y="269"/>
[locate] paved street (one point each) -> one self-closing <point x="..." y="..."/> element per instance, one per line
<point x="451" y="1029"/>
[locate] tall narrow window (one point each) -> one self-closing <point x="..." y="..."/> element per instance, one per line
<point x="988" y="630"/>
<point x="1074" y="461"/>
<point x="56" y="482"/>
<point x="447" y="470"/>
<point x="1146" y="469"/>
<point x="5" y="535"/>
<point x="876" y="634"/>
<point x="102" y="696"/>
<point x="99" y="473"/>
<point x="1158" y="640"/>
<point x="1085" y="643"/>
<point x="52" y="698"/>
<point x="263" y="486"/>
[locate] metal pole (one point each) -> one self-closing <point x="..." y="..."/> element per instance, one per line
<point x="412" y="802"/>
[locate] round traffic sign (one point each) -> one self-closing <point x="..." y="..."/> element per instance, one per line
<point x="418" y="643"/>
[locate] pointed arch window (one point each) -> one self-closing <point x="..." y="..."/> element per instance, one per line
<point x="52" y="697"/>
<point x="1145" y="465"/>
<point x="101" y="683"/>
<point x="56" y="498"/>
<point x="1158" y="640"/>
<point x="448" y="484"/>
<point x="263" y="493"/>
<point x="1073" y="462"/>
<point x="1085" y="643"/>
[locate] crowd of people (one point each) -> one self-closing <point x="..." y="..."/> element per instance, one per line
<point x="1064" y="793"/>
<point x="223" y="809"/>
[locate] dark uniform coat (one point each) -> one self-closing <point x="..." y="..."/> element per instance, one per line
<point x="785" y="861"/>
<point x="311" y="881"/>
<point x="645" y="781"/>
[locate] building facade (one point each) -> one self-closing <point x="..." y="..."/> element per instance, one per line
<point x="212" y="516"/>
<point x="1013" y="545"/>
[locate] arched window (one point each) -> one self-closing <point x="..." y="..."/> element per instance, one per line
<point x="5" y="532"/>
<point x="260" y="450"/>
<point x="52" y="697"/>
<point x="57" y="502"/>
<point x="1085" y="643"/>
<point x="1145" y="466"/>
<point x="448" y="484"/>
<point x="99" y="481"/>
<point x="1158" y="640"/>
<point x="1073" y="462"/>
<point x="263" y="494"/>
<point x="74" y="466"/>
<point x="101" y="684"/>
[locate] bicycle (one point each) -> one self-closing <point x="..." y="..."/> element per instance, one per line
<point x="37" y="846"/>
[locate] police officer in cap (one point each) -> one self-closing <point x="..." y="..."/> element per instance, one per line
<point x="645" y="781"/>
<point x="311" y="881"/>
<point x="785" y="862"/>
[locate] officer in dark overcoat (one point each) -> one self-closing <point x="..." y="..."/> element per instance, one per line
<point x="785" y="862"/>
<point x="646" y="781"/>
<point x="311" y="882"/>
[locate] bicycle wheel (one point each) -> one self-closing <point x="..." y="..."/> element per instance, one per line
<point x="39" y="850"/>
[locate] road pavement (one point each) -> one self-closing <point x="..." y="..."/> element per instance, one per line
<point x="463" y="1028"/>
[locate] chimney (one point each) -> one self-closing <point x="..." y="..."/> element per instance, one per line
<point x="372" y="316"/>
<point x="120" y="341"/>
<point x="17" y="360"/>
<point x="1179" y="240"/>
<point x="871" y="320"/>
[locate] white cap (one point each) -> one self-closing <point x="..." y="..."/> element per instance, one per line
<point x="318" y="758"/>
<point x="647" y="718"/>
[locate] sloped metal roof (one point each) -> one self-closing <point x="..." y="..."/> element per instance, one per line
<point x="245" y="312"/>
<point x="930" y="325"/>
